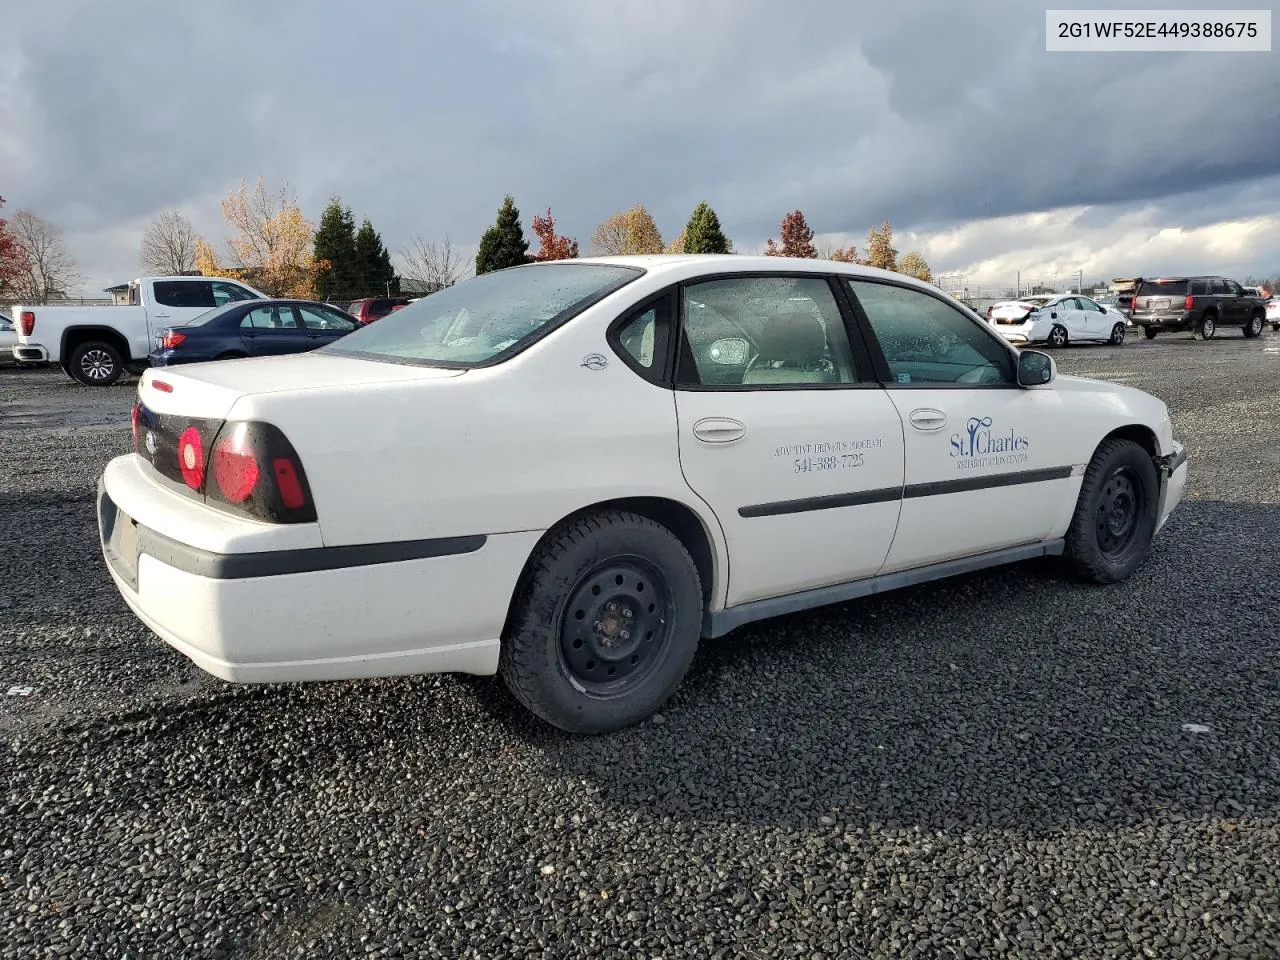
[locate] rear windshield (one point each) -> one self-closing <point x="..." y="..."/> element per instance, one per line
<point x="486" y="318"/>
<point x="1162" y="288"/>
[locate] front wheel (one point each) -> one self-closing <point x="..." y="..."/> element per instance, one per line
<point x="605" y="624"/>
<point x="1115" y="517"/>
<point x="1117" y="335"/>
<point x="1253" y="326"/>
<point x="96" y="364"/>
<point x="1058" y="336"/>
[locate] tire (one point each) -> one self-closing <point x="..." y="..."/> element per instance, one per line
<point x="96" y="363"/>
<point x="573" y="624"/>
<point x="1149" y="332"/>
<point x="1254" y="326"/>
<point x="1206" y="328"/>
<point x="1115" y="517"/>
<point x="1117" y="335"/>
<point x="230" y="355"/>
<point x="1057" y="336"/>
<point x="1275" y="327"/>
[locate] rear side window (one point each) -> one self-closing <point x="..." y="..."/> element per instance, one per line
<point x="1200" y="288"/>
<point x="269" y="318"/>
<point x="183" y="293"/>
<point x="229" y="293"/>
<point x="1219" y="288"/>
<point x="1163" y="288"/>
<point x="764" y="332"/>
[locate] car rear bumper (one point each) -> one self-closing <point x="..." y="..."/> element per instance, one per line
<point x="30" y="353"/>
<point x="308" y="613"/>
<point x="1180" y="321"/>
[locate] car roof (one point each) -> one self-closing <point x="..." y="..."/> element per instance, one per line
<point x="692" y="263"/>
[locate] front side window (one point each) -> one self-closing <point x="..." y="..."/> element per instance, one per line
<point x="183" y="293"/>
<point x="928" y="342"/>
<point x="314" y="318"/>
<point x="764" y="331"/>
<point x="486" y="318"/>
<point x="1090" y="305"/>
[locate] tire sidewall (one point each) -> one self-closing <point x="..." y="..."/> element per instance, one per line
<point x="1208" y="326"/>
<point x="537" y="627"/>
<point x="77" y="359"/>
<point x="1060" y="332"/>
<point x="1254" y="326"/>
<point x="1118" y="334"/>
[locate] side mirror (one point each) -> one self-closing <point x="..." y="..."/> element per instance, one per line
<point x="1035" y="369"/>
<point x="731" y="352"/>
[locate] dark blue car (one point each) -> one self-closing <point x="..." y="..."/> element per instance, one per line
<point x="252" y="328"/>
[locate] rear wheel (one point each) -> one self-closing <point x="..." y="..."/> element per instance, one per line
<point x="605" y="624"/>
<point x="96" y="364"/>
<point x="1149" y="332"/>
<point x="1117" y="334"/>
<point x="1058" y="336"/>
<point x="1115" y="517"/>
<point x="1206" y="328"/>
<point x="1253" y="326"/>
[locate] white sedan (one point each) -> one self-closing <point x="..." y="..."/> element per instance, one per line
<point x="1273" y="313"/>
<point x="570" y="472"/>
<point x="1057" y="320"/>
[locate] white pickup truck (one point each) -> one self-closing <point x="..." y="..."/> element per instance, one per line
<point x="95" y="345"/>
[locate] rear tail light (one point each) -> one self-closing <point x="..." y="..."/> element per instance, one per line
<point x="170" y="339"/>
<point x="137" y="411"/>
<point x="28" y="322"/>
<point x="255" y="471"/>
<point x="1189" y="303"/>
<point x="191" y="458"/>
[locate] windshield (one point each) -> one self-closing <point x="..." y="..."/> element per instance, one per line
<point x="486" y="318"/>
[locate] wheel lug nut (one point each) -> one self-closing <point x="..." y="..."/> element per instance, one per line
<point x="625" y="635"/>
<point x="611" y="606"/>
<point x="626" y="612"/>
<point x="598" y="625"/>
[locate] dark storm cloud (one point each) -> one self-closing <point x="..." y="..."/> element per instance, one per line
<point x="422" y="117"/>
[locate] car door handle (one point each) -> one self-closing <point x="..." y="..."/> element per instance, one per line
<point x="719" y="430"/>
<point x="926" y="419"/>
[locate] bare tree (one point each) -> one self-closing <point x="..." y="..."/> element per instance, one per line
<point x="50" y="269"/>
<point x="433" y="265"/>
<point x="169" y="245"/>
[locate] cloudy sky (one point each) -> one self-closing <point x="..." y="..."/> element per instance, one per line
<point x="949" y="118"/>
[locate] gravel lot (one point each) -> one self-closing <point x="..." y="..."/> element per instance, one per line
<point x="994" y="766"/>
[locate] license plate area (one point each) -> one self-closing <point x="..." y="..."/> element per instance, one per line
<point x="119" y="540"/>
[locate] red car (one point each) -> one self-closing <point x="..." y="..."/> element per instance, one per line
<point x="375" y="308"/>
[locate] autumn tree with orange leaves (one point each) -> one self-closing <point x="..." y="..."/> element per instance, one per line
<point x="13" y="263"/>
<point x="551" y="245"/>
<point x="797" y="238"/>
<point x="271" y="248"/>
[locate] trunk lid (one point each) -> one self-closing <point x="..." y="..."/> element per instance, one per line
<point x="209" y="390"/>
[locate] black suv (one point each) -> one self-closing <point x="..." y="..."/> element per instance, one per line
<point x="1198" y="304"/>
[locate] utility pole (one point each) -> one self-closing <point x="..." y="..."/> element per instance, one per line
<point x="1019" y="293"/>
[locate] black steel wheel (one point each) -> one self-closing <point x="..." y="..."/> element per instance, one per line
<point x="605" y="623"/>
<point x="1116" y="514"/>
<point x="1119" y="505"/>
<point x="615" y="627"/>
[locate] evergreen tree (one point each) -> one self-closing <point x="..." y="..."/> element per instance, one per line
<point x="703" y="233"/>
<point x="503" y="244"/>
<point x="374" y="273"/>
<point x="335" y="246"/>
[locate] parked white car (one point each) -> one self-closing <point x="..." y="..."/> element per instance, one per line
<point x="569" y="472"/>
<point x="95" y="345"/>
<point x="1273" y="313"/>
<point x="1057" y="320"/>
<point x="8" y="337"/>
